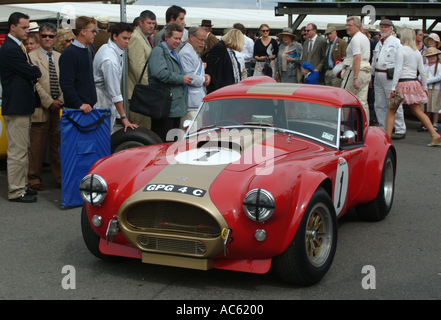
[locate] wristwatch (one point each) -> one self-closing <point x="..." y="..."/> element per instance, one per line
<point x="123" y="117"/>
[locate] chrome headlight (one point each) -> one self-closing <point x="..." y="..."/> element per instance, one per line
<point x="259" y="205"/>
<point x="93" y="189"/>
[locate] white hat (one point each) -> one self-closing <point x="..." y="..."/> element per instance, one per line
<point x="102" y="18"/>
<point x="33" y="27"/>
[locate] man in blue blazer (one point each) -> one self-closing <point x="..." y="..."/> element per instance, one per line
<point x="18" y="76"/>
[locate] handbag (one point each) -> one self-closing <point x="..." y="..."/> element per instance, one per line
<point x="150" y="101"/>
<point x="396" y="100"/>
<point x="267" y="70"/>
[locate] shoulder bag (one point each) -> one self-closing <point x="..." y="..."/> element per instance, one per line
<point x="150" y="101"/>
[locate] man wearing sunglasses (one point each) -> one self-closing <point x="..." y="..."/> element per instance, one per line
<point x="314" y="51"/>
<point x="46" y="119"/>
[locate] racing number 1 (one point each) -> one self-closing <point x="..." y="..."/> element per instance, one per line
<point x="341" y="185"/>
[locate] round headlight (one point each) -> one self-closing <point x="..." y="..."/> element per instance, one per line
<point x="93" y="189"/>
<point x="259" y="205"/>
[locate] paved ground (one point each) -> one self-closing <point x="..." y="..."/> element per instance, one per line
<point x="38" y="240"/>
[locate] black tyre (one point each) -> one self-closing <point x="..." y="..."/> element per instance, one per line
<point x="379" y="208"/>
<point x="92" y="240"/>
<point x="310" y="254"/>
<point x="139" y="137"/>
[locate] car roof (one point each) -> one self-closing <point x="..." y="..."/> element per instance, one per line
<point x="263" y="87"/>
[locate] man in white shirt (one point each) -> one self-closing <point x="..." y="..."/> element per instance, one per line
<point x="194" y="67"/>
<point x="357" y="74"/>
<point x="107" y="70"/>
<point x="384" y="58"/>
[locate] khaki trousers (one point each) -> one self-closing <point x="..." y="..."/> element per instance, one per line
<point x="17" y="132"/>
<point x="331" y="80"/>
<point x="364" y="77"/>
<point x="40" y="133"/>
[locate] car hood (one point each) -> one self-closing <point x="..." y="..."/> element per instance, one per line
<point x="235" y="150"/>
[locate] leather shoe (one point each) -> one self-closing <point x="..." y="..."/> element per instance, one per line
<point x="398" y="136"/>
<point x="24" y="199"/>
<point x="38" y="187"/>
<point x="31" y="192"/>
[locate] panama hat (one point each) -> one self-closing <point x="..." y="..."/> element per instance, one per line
<point x="435" y="37"/>
<point x="33" y="27"/>
<point x="287" y="31"/>
<point x="432" y="52"/>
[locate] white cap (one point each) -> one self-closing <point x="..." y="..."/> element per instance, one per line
<point x="102" y="18"/>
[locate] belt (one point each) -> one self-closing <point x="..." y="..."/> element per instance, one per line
<point x="405" y="80"/>
<point x="378" y="70"/>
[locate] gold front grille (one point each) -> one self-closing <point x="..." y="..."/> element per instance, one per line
<point x="171" y="245"/>
<point x="172" y="217"/>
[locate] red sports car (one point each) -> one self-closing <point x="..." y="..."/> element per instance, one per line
<point x="259" y="178"/>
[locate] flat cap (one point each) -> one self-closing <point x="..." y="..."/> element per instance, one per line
<point x="386" y="22"/>
<point x="330" y="29"/>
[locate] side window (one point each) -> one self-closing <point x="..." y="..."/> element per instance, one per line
<point x="351" y="126"/>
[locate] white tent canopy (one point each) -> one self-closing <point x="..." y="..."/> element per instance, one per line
<point x="220" y="17"/>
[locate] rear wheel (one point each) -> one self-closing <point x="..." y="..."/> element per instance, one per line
<point x="310" y="254"/>
<point x="138" y="137"/>
<point x="379" y="208"/>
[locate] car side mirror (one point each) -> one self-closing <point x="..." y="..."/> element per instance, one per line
<point x="186" y="125"/>
<point x="348" y="136"/>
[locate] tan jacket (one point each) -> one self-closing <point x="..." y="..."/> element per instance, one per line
<point x="339" y="49"/>
<point x="138" y="52"/>
<point x="43" y="85"/>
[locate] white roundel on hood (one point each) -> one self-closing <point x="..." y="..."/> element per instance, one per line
<point x="208" y="156"/>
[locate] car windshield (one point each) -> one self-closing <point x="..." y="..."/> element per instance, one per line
<point x="313" y="120"/>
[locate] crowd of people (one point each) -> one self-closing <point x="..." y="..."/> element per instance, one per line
<point x="44" y="69"/>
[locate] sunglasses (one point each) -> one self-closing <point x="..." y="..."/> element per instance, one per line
<point x="51" y="36"/>
<point x="70" y="40"/>
<point x="266" y="30"/>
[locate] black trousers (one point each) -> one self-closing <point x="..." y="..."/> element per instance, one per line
<point x="163" y="126"/>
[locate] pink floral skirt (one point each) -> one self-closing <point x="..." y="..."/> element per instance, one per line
<point x="412" y="91"/>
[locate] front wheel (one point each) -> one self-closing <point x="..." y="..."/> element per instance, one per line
<point x="92" y="240"/>
<point x="310" y="254"/>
